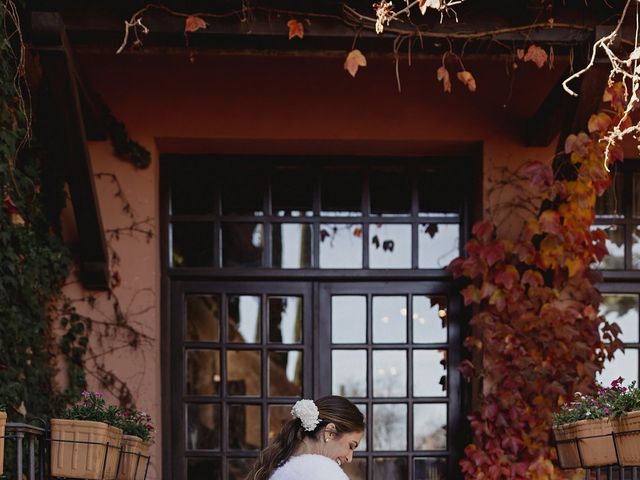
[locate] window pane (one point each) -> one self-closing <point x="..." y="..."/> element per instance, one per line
<point x="429" y="319"/>
<point x="348" y="319"/>
<point x="624" y="364"/>
<point x="437" y="195"/>
<point x="362" y="446"/>
<point x="615" y="245"/>
<point x="609" y="205"/>
<point x="341" y="193"/>
<point x="291" y="245"/>
<point x="340" y="246"/>
<point x="244" y="319"/>
<point x="389" y="319"/>
<point x="192" y="193"/>
<point x="292" y="192"/>
<point x="438" y="244"/>
<point x="203" y="372"/>
<point x="244" y="375"/>
<point x="349" y="373"/>
<point x="357" y="469"/>
<point x="635" y="192"/>
<point x="203" y="318"/>
<point x="239" y="467"/>
<point x="635" y="248"/>
<point x="429" y="373"/>
<point x="204" y="469"/>
<point x="279" y="415"/>
<point x="203" y="426"/>
<point x="242" y="244"/>
<point x="243" y="193"/>
<point x="390" y="246"/>
<point x="390" y="467"/>
<point x="389" y="373"/>
<point x="623" y="310"/>
<point x="429" y="426"/>
<point x="285" y="373"/>
<point x="390" y="192"/>
<point x="285" y="319"/>
<point x="430" y="468"/>
<point x="389" y="427"/>
<point x="191" y="244"/>
<point x="244" y="427"/>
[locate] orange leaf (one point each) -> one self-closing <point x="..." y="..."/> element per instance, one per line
<point x="194" y="23"/>
<point x="296" y="29"/>
<point x="599" y="122"/>
<point x="443" y="76"/>
<point x="465" y="77"/>
<point x="354" y="60"/>
<point x="536" y="55"/>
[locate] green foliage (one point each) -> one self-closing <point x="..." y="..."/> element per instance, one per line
<point x="93" y="407"/>
<point x="137" y="423"/>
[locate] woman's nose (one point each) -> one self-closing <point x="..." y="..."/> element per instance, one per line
<point x="349" y="456"/>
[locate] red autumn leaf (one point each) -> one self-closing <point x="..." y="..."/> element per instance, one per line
<point x="507" y="277"/>
<point x="194" y="23"/>
<point x="532" y="278"/>
<point x="577" y="143"/>
<point x="470" y="294"/>
<point x="550" y="222"/>
<point x="354" y="60"/>
<point x="536" y="55"/>
<point x="443" y="76"/>
<point x="493" y="253"/>
<point x="540" y="174"/>
<point x="467" y="79"/>
<point x="296" y="29"/>
<point x="483" y="230"/>
<point x="9" y="206"/>
<point x="599" y="122"/>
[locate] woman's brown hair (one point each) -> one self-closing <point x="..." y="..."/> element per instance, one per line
<point x="332" y="409"/>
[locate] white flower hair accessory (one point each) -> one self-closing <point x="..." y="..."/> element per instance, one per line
<point x="307" y="412"/>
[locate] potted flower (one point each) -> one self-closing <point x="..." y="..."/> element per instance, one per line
<point x="625" y="413"/>
<point x="3" y="424"/>
<point x="583" y="432"/>
<point x="85" y="443"/>
<point x="136" y="439"/>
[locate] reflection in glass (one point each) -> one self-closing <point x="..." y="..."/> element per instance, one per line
<point x="239" y="468"/>
<point x="389" y="319"/>
<point x="435" y="196"/>
<point x="348" y="319"/>
<point x="390" y="192"/>
<point x="244" y="427"/>
<point x="203" y="318"/>
<point x="244" y="376"/>
<point x="357" y="469"/>
<point x="191" y="244"/>
<point x="438" y="244"/>
<point x="623" y="310"/>
<point x="191" y="193"/>
<point x="341" y="193"/>
<point x="389" y="426"/>
<point x="430" y="426"/>
<point x="202" y="426"/>
<point x="635" y="248"/>
<point x="340" y="246"/>
<point x="279" y="415"/>
<point x="242" y="244"/>
<point x="385" y="468"/>
<point x="244" y="319"/>
<point x="609" y="204"/>
<point x="615" y="245"/>
<point x="243" y="194"/>
<point x="389" y="373"/>
<point x="362" y="446"/>
<point x="285" y="373"/>
<point x="204" y="469"/>
<point x="624" y="364"/>
<point x="390" y="246"/>
<point x="429" y="373"/>
<point x="429" y="319"/>
<point x="203" y="372"/>
<point x="349" y="373"/>
<point x="292" y="192"/>
<point x="285" y="319"/>
<point x="430" y="468"/>
<point x="291" y="245"/>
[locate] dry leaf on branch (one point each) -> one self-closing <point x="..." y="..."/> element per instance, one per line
<point x="424" y="4"/>
<point x="296" y="29"/>
<point x="536" y="55"/>
<point x="354" y="60"/>
<point x="599" y="122"/>
<point x="443" y="76"/>
<point x="194" y="23"/>
<point x="465" y="77"/>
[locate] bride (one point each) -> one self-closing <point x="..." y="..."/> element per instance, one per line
<point x="313" y="445"/>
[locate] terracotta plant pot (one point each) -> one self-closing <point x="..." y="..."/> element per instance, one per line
<point x="595" y="441"/>
<point x="133" y="459"/>
<point x="82" y="449"/>
<point x="627" y="438"/>
<point x="567" y="445"/>
<point x="3" y="424"/>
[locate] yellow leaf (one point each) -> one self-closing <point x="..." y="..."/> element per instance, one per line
<point x="443" y="76"/>
<point x="354" y="60"/>
<point x="194" y="23"/>
<point x="465" y="77"/>
<point x="599" y="122"/>
<point x="296" y="29"/>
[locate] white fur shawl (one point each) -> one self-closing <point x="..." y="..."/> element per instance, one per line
<point x="309" y="467"/>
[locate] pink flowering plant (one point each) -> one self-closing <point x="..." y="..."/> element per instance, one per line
<point x="137" y="423"/>
<point x="93" y="407"/>
<point x="622" y="399"/>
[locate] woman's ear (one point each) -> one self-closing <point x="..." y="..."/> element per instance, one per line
<point x="330" y="429"/>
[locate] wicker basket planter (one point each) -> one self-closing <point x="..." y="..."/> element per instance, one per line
<point x="82" y="449"/>
<point x="133" y="459"/>
<point x="595" y="440"/>
<point x="567" y="445"/>
<point x="3" y="424"/>
<point x="626" y="431"/>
